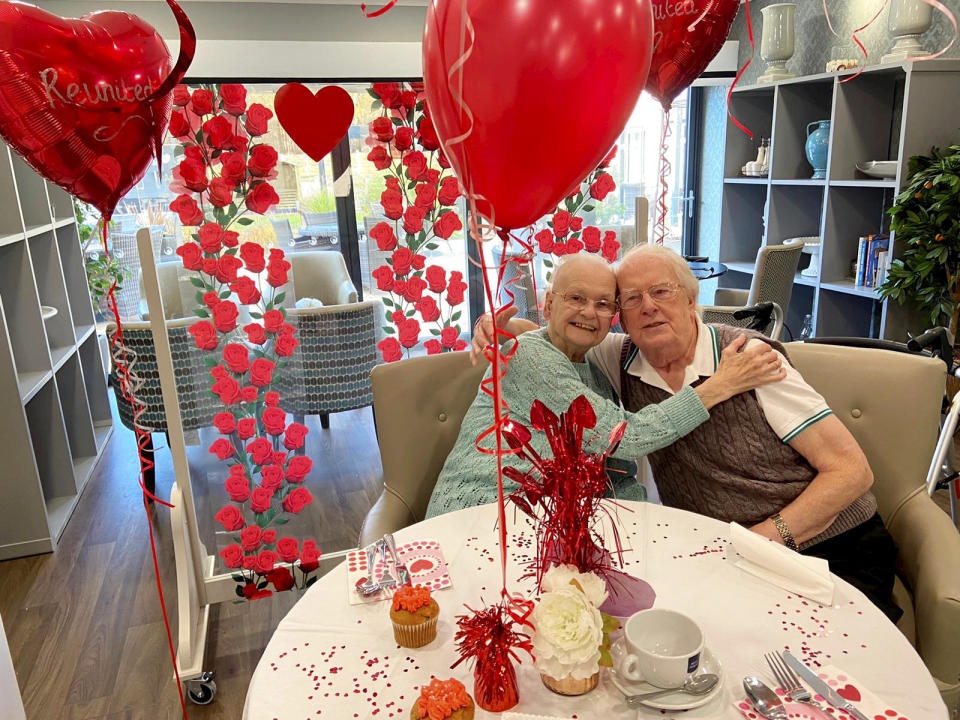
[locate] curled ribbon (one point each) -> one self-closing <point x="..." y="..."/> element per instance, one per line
<point x="376" y="13"/>
<point x="753" y="49"/>
<point x="660" y="232"/>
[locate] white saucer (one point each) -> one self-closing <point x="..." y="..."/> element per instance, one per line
<point x="678" y="700"/>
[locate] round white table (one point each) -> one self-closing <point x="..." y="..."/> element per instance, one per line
<point x="330" y="659"/>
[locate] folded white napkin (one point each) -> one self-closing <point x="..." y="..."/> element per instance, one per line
<point x="770" y="561"/>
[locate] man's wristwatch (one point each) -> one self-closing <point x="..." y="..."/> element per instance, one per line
<point x="784" y="531"/>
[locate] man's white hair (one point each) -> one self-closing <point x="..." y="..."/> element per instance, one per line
<point x="685" y="277"/>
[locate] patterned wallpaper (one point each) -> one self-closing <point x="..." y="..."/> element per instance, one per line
<point x="814" y="41"/>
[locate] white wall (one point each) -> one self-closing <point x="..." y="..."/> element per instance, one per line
<point x="11" y="705"/>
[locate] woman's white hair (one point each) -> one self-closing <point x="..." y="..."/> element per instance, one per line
<point x="578" y="258"/>
<point x="685" y="277"/>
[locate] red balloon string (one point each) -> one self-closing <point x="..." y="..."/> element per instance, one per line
<point x="660" y="229"/>
<point x="753" y="49"/>
<point x="376" y="13"/>
<point x="953" y="21"/>
<point x="118" y="352"/>
<point x="866" y="55"/>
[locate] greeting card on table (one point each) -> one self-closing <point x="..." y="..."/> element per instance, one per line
<point x="423" y="558"/>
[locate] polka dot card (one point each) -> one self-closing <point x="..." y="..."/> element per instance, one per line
<point x="423" y="559"/>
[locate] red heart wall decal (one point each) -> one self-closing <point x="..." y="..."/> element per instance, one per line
<point x="849" y="692"/>
<point x="421" y="565"/>
<point x="77" y="98"/>
<point x="315" y="122"/>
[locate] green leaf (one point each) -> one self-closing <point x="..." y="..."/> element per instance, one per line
<point x="245" y="221"/>
<point x="588" y="208"/>
<point x="396" y="121"/>
<point x="239" y="591"/>
<point x="201" y="312"/>
<point x="456" y="316"/>
<point x="388" y="330"/>
<point x="197" y="282"/>
<point x="279" y="297"/>
<point x="210" y="362"/>
<point x="256" y="315"/>
<point x="432" y="246"/>
<point x="387" y="301"/>
<point x="225" y="294"/>
<point x="372" y="94"/>
<point x="376" y="104"/>
<point x="238" y="578"/>
<point x="434" y="331"/>
<point x="198" y="296"/>
<point x="311" y="581"/>
<point x="281" y="521"/>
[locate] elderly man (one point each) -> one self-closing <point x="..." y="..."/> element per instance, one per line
<point x="774" y="459"/>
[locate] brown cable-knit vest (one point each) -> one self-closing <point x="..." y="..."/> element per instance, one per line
<point x="734" y="466"/>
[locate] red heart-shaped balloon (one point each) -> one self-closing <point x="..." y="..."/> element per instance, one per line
<point x="687" y="35"/>
<point x="315" y="122"/>
<point x="77" y="98"/>
<point x="849" y="692"/>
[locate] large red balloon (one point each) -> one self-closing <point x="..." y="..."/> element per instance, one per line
<point x="687" y="36"/>
<point x="78" y="98"/>
<point x="549" y="83"/>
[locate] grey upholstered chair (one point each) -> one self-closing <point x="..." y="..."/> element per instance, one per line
<point x="891" y="402"/>
<point x="773" y="277"/>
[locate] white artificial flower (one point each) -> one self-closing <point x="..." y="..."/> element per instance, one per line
<point x="560" y="576"/>
<point x="568" y="631"/>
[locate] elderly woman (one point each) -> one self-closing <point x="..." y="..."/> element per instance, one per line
<point x="549" y="365"/>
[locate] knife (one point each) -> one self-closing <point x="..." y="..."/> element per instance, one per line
<point x="818" y="685"/>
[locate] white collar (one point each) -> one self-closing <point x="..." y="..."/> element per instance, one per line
<point x="706" y="358"/>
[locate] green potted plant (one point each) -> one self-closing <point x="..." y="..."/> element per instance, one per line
<point x="926" y="220"/>
<point x="101" y="271"/>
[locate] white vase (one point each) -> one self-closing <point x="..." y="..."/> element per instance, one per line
<point x="777" y="40"/>
<point x="908" y="20"/>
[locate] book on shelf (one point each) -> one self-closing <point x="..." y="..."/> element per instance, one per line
<point x="861" y="254"/>
<point x="869" y="248"/>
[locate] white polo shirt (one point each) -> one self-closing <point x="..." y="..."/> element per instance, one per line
<point x="790" y="405"/>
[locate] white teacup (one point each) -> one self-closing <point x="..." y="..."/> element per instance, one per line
<point x="662" y="647"/>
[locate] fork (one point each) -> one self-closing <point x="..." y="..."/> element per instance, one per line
<point x="789" y="681"/>
<point x="386" y="579"/>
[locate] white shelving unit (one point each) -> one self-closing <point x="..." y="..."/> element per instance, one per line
<point x="55" y="418"/>
<point x="890" y="112"/>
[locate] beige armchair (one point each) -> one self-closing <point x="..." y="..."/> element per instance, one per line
<point x="890" y="402"/>
<point x="773" y="276"/>
<point x="419" y="404"/>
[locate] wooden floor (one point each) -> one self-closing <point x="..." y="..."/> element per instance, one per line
<point x="84" y="623"/>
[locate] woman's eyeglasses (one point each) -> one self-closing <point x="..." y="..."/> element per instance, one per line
<point x="659" y="293"/>
<point x="603" y="307"/>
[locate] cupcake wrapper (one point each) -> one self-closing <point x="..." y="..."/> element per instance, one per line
<point x="414" y="636"/>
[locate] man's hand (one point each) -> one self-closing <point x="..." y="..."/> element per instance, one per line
<point x="483" y="331"/>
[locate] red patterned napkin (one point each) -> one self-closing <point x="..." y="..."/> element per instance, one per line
<point x="423" y="559"/>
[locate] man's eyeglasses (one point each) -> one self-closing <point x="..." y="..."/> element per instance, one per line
<point x="603" y="307"/>
<point x="659" y="293"/>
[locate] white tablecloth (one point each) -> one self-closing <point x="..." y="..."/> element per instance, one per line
<point x="329" y="659"/>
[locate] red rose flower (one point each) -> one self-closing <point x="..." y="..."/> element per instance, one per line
<point x="561" y="223"/>
<point x="222" y="448"/>
<point x="271" y="477"/>
<point x="409" y="333"/>
<point x="449" y="191"/>
<point x="221" y="192"/>
<point x="427" y="134"/>
<point x="389" y="94"/>
<point x="288" y="549"/>
<point x="426" y="196"/>
<point x="238" y="488"/>
<point x="309" y="556"/>
<point x="263" y="159"/>
<point x="392" y="183"/>
<point x="250" y="590"/>
<point x="230" y="518"/>
<point x="274" y="420"/>
<point x="416" y="164"/>
<point x="261" y="198"/>
<point x="610" y="246"/>
<point x="269" y="537"/>
<point x="233" y="167"/>
<point x="433" y="176"/>
<point x="559" y="248"/>
<point x="187" y="210"/>
<point x="294" y="435"/>
<point x="285" y="345"/>
<point x="255" y="333"/>
<point x="273" y="320"/>
<point x="436" y="278"/>
<point x="432" y="346"/>
<point x="246" y="428"/>
<point x="210" y="266"/>
<point x="392" y="202"/>
<point x="191" y="255"/>
<point x="210" y="234"/>
<point x="250" y="538"/>
<point x="257" y="119"/>
<point x="379" y="157"/>
<point x="179" y="127"/>
<point x="225" y="316"/>
<point x="298" y="467"/>
<point x="260" y="500"/>
<point x="383" y="234"/>
<point x="201" y="102"/>
<point x="252" y="256"/>
<point x="591" y="238"/>
<point x="271" y="399"/>
<point x="545" y="239"/>
<point x="234" y="98"/>
<point x="455" y="288"/>
<point x="413" y="219"/>
<point x="298" y="499"/>
<point x="413" y="290"/>
<point x="260" y="451"/>
<point x="219" y="132"/>
<point x="403" y="140"/>
<point x="576" y="223"/>
<point x="236" y="357"/>
<point x="460" y="345"/>
<point x="442" y="160"/>
<point x="281" y="579"/>
<point x="227" y="389"/>
<point x="390" y="349"/>
<point x="204" y="335"/>
<point x="384" y="277"/>
<point x="248" y="394"/>
<point x="602" y="186"/>
<point x="232" y="555"/>
<point x="181" y="95"/>
<point x="448" y="337"/>
<point x="238" y="143"/>
<point x="428" y="309"/>
<point x="574" y="246"/>
<point x="382" y="127"/>
<point x="408" y="99"/>
<point x="246" y="291"/>
<point x="447" y="225"/>
<point x="224" y="422"/>
<point x="227" y="267"/>
<point x="402" y="257"/>
<point x="230" y="238"/>
<point x="266" y="561"/>
<point x="261" y="372"/>
<point x="277" y="272"/>
<point x="219" y="371"/>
